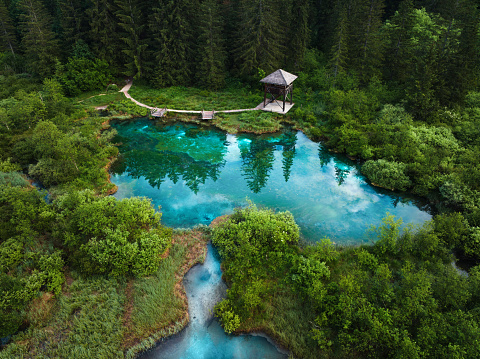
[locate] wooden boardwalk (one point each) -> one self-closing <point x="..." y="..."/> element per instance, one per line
<point x="157" y="112"/>
<point x="206" y="115"/>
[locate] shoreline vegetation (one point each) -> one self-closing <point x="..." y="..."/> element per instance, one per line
<point x="393" y="84"/>
<point x="138" y="332"/>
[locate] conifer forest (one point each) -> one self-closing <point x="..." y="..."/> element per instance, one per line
<point x="391" y="85"/>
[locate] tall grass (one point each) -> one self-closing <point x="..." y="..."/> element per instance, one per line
<point x="252" y="121"/>
<point x="155" y="302"/>
<point x="160" y="306"/>
<point x="87" y="324"/>
<point x="189" y="98"/>
<point x="95" y="99"/>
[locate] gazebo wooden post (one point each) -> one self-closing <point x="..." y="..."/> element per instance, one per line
<point x="265" y="97"/>
<point x="284" y="97"/>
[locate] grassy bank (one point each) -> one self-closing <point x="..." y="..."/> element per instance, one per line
<point x="119" y="107"/>
<point x="101" y="317"/>
<point x="191" y="98"/>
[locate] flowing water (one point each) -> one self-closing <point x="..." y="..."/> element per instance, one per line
<point x="204" y="338"/>
<point x="197" y="174"/>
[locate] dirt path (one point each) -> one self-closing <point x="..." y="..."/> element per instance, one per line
<point x="127" y="95"/>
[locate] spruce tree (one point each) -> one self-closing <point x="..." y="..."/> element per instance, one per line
<point x="104" y="40"/>
<point x="323" y="23"/>
<point x="38" y="42"/>
<point x="298" y="33"/>
<point x="397" y="35"/>
<point x="211" y="52"/>
<point x="260" y="37"/>
<point x="340" y="46"/>
<point x="367" y="51"/>
<point x="460" y="62"/>
<point x="7" y="31"/>
<point x="74" y="23"/>
<point x="171" y="31"/>
<point x="131" y="21"/>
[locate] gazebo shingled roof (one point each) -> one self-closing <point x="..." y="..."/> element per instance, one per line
<point x="279" y="77"/>
<point x="278" y="84"/>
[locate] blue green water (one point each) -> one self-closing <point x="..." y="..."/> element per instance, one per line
<point x="204" y="338"/>
<point x="197" y="174"/>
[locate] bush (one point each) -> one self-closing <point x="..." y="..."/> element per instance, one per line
<point x="260" y="229"/>
<point x="82" y="74"/>
<point x="229" y="320"/>
<point x="14" y="179"/>
<point x="387" y="174"/>
<point x="107" y="236"/>
<point x="367" y="260"/>
<point x="128" y="107"/>
<point x="8" y="166"/>
<point x="11" y="253"/>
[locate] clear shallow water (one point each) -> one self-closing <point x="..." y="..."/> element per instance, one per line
<point x="197" y="174"/>
<point x="204" y="338"/>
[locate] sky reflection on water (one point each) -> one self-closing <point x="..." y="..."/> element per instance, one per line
<point x="197" y="174"/>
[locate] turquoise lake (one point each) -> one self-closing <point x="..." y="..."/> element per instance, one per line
<point x="198" y="173"/>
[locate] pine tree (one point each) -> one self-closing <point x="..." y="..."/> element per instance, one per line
<point x="38" y="42"/>
<point x="298" y="33"/>
<point x="211" y="52"/>
<point x="74" y="23"/>
<point x="340" y="47"/>
<point x="260" y="40"/>
<point x="170" y="26"/>
<point x="7" y="31"/>
<point x="130" y="20"/>
<point x="367" y="52"/>
<point x="104" y="41"/>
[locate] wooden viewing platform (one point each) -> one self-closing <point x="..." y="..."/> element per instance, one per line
<point x="157" y="112"/>
<point x="208" y="115"/>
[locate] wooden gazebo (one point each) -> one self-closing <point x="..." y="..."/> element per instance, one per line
<point x="278" y="84"/>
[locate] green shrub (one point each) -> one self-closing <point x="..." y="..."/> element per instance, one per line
<point x="14" y="179"/>
<point x="109" y="236"/>
<point x="257" y="229"/>
<point x="52" y="266"/>
<point x="367" y="260"/>
<point x="387" y="174"/>
<point x="11" y="305"/>
<point x="229" y="320"/>
<point x="8" y="166"/>
<point x="128" y="107"/>
<point x="82" y="74"/>
<point x="387" y="234"/>
<point x="11" y="253"/>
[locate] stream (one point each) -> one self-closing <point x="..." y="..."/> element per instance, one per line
<point x="204" y="338"/>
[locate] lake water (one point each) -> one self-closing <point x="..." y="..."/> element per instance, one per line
<point x="198" y="173"/>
